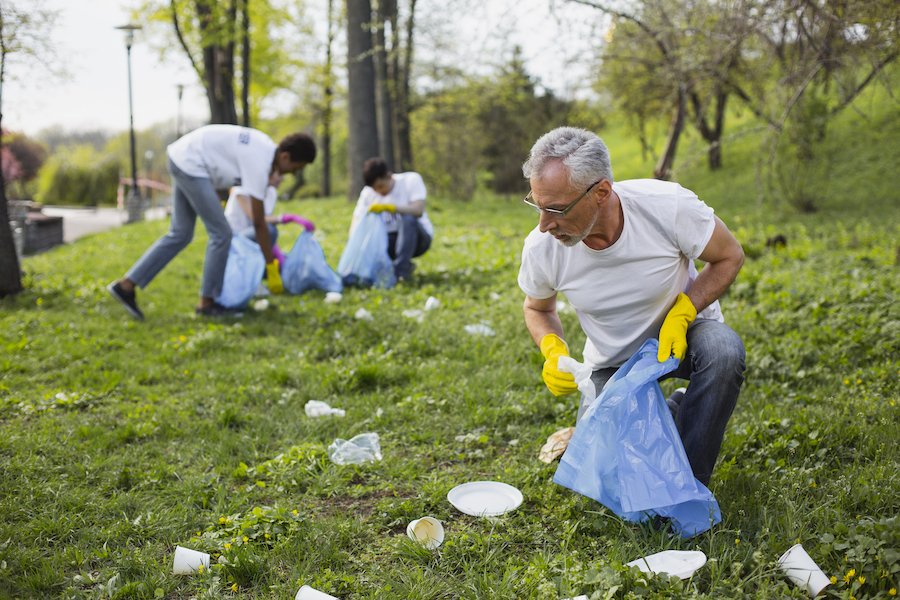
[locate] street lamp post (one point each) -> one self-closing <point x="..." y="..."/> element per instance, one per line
<point x="133" y="203"/>
<point x="178" y="121"/>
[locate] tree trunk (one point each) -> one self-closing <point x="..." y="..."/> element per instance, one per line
<point x="327" y="108"/>
<point x="363" y="139"/>
<point x="218" y="64"/>
<point x="10" y="273"/>
<point x="245" y="62"/>
<point x="383" y="82"/>
<point x="663" y="168"/>
<point x="404" y="146"/>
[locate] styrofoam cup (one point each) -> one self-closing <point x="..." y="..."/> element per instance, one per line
<point x="428" y="531"/>
<point x="189" y="561"/>
<point x="803" y="570"/>
<point x="308" y="593"/>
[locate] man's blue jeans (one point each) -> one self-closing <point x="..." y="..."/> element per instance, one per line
<point x="714" y="364"/>
<point x="191" y="196"/>
<point x="410" y="240"/>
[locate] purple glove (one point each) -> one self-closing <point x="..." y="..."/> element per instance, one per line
<point x="278" y="254"/>
<point x="308" y="225"/>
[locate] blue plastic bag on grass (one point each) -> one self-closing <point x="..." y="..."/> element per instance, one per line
<point x="305" y="268"/>
<point x="365" y="261"/>
<point x="243" y="272"/>
<point x="626" y="452"/>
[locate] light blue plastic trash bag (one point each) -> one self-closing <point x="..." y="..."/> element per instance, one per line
<point x="243" y="272"/>
<point x="626" y="452"/>
<point x="305" y="268"/>
<point x="365" y="261"/>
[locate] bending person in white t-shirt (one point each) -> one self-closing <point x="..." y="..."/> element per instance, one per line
<point x="400" y="199"/>
<point x="241" y="211"/>
<point x="206" y="159"/>
<point x="623" y="254"/>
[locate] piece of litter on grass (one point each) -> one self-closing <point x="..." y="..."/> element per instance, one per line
<point x="188" y="562"/>
<point x="561" y="306"/>
<point x="362" y="448"/>
<point x="310" y="593"/>
<point x="432" y="303"/>
<point x="479" y="329"/>
<point x="333" y="297"/>
<point x="494" y="296"/>
<point x="363" y="315"/>
<point x="680" y="563"/>
<point x="556" y="444"/>
<point x="261" y="305"/>
<point x="414" y="313"/>
<point x="317" y="408"/>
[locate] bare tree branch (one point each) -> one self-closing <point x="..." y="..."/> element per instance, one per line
<point x="181" y="40"/>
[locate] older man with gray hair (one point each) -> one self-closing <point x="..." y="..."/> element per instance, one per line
<point x="623" y="254"/>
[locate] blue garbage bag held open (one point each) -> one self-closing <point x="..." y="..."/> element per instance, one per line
<point x="243" y="272"/>
<point x="626" y="452"/>
<point x="365" y="261"/>
<point x="305" y="268"/>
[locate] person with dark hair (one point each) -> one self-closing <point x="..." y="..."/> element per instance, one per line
<point x="400" y="199"/>
<point x="206" y="159"/>
<point x="623" y="253"/>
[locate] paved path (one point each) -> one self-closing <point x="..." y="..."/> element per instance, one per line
<point x="79" y="222"/>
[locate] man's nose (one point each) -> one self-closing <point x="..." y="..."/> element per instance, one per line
<point x="547" y="222"/>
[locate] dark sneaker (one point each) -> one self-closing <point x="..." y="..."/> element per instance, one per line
<point x="217" y="310"/>
<point x="126" y="299"/>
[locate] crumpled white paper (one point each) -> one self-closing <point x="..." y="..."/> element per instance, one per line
<point x="582" y="373"/>
<point x="317" y="408"/>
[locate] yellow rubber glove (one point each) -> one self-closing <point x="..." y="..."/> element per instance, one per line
<point x="559" y="383"/>
<point x="273" y="277"/>
<point x="378" y="208"/>
<point x="673" y="333"/>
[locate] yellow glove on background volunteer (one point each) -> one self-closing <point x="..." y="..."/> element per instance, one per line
<point x="377" y="208"/>
<point x="559" y="383"/>
<point x="673" y="333"/>
<point x="273" y="277"/>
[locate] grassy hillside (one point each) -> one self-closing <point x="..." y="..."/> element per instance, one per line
<point x="121" y="440"/>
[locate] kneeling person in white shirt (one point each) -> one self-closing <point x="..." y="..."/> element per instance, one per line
<point x="400" y="199"/>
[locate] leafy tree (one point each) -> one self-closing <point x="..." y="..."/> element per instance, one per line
<point x="22" y="158"/>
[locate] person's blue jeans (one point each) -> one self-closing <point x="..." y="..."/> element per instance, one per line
<point x="714" y="364"/>
<point x="191" y="196"/>
<point x="409" y="241"/>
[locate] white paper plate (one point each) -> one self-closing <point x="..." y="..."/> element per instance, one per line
<point x="485" y="498"/>
<point x="681" y="563"/>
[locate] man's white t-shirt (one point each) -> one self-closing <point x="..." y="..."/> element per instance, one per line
<point x="622" y="293"/>
<point x="228" y="155"/>
<point x="408" y="188"/>
<point x="238" y="219"/>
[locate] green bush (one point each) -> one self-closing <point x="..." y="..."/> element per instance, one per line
<point x="79" y="177"/>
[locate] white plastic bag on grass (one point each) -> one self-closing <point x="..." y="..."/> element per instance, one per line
<point x="362" y="448"/>
<point x="317" y="408"/>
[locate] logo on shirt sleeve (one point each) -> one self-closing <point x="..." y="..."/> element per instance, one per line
<point x="244" y="137"/>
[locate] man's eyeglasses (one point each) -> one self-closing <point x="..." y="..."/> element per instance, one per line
<point x="557" y="212"/>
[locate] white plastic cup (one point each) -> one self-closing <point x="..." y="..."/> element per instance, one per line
<point x="189" y="561"/>
<point x="803" y="570"/>
<point x="428" y="531"/>
<point x="308" y="593"/>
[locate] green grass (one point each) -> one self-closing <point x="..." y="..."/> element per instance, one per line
<point x="120" y="440"/>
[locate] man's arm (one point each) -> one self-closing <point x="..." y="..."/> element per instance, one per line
<point x="262" y="231"/>
<point x="724" y="257"/>
<point x="415" y="208"/>
<point x="541" y="318"/>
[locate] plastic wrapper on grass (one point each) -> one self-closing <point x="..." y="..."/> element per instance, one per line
<point x="362" y="448"/>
